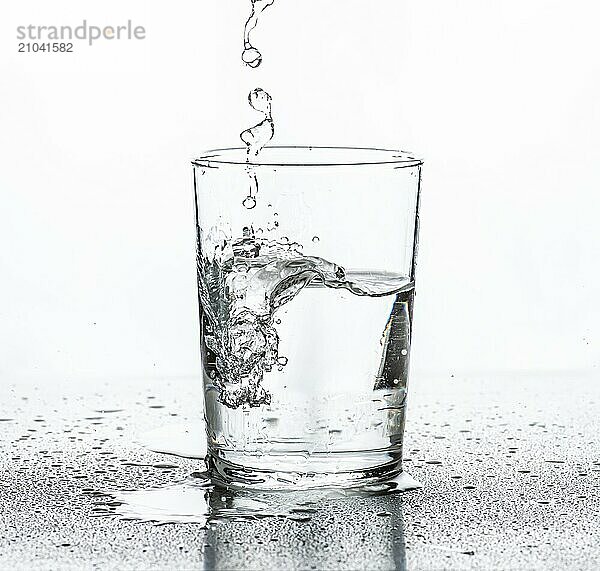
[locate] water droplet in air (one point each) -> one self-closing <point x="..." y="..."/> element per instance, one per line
<point x="249" y="202"/>
<point x="258" y="136"/>
<point x="251" y="56"/>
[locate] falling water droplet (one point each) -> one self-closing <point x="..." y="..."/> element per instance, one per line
<point x="249" y="202"/>
<point x="251" y="56"/>
<point x="258" y="136"/>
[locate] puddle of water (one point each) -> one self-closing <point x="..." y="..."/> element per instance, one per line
<point x="198" y="501"/>
<point x="177" y="504"/>
<point x="403" y="482"/>
<point x="184" y="440"/>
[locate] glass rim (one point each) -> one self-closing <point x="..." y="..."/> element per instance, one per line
<point x="356" y="156"/>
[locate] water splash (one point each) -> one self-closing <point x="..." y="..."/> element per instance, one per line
<point x="251" y="56"/>
<point x="243" y="282"/>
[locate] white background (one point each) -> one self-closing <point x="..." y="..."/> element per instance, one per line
<point x="501" y="99"/>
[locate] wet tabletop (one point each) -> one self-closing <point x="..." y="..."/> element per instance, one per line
<point x="510" y="468"/>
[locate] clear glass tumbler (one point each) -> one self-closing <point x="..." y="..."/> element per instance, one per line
<point x="306" y="271"/>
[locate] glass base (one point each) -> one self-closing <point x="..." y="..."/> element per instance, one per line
<point x="312" y="474"/>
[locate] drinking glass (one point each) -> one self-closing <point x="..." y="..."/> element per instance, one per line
<point x="306" y="273"/>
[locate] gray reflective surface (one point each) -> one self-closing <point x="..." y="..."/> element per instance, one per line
<point x="510" y="468"/>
